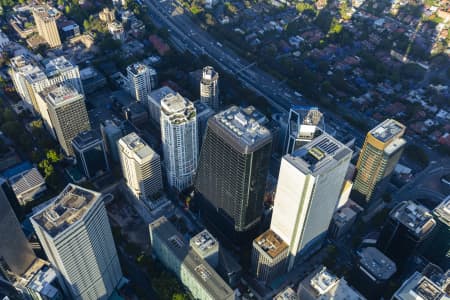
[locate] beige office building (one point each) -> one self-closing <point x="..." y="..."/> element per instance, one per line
<point x="45" y="18"/>
<point x="64" y="113"/>
<point x="379" y="156"/>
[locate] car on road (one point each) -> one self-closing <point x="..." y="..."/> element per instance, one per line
<point x="446" y="179"/>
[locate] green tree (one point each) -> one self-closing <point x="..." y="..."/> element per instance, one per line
<point x="302" y="6"/>
<point x="86" y="25"/>
<point x="8" y="115"/>
<point x="52" y="156"/>
<point x="109" y="44"/>
<point x="36" y="124"/>
<point x="24" y="140"/>
<point x="209" y="19"/>
<point x="12" y="129"/>
<point x="179" y="296"/>
<point x="46" y="167"/>
<point x="231" y="8"/>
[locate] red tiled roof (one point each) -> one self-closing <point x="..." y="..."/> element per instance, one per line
<point x="160" y="46"/>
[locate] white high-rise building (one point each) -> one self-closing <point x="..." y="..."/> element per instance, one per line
<point x="30" y="78"/>
<point x="307" y="194"/>
<point x="20" y="66"/>
<point x="140" y="81"/>
<point x="35" y="81"/>
<point x="209" y="88"/>
<point x="60" y="70"/>
<point x="76" y="236"/>
<point x="141" y="166"/>
<point x="180" y="140"/>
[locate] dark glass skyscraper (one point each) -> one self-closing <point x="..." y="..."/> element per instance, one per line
<point x="407" y="226"/>
<point x="437" y="247"/>
<point x="234" y="163"/>
<point x="90" y="153"/>
<point x="16" y="254"/>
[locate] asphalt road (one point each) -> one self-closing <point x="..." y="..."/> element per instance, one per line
<point x="189" y="36"/>
<point x="427" y="184"/>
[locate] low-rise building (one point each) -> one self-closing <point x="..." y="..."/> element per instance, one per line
<point x="27" y="185"/>
<point x="343" y="219"/>
<point x="323" y="285"/>
<point x="107" y="15"/>
<point x="92" y="80"/>
<point x="39" y="282"/>
<point x="117" y="31"/>
<point x="4" y="40"/>
<point x="193" y="271"/>
<point x="211" y="3"/>
<point x="287" y="294"/>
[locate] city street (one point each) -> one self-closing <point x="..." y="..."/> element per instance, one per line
<point x="427" y="185"/>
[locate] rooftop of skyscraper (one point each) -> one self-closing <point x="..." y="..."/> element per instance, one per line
<point x="65" y="209"/>
<point x="39" y="278"/>
<point x="420" y="287"/>
<point x="204" y="243"/>
<point x="344" y="215"/>
<point x="35" y="74"/>
<point x="271" y="243"/>
<point x="387" y="130"/>
<point x="309" y="115"/>
<point x="201" y="270"/>
<point x="178" y="108"/>
<point x="139" y="147"/>
<point x="286" y="294"/>
<point x="322" y="152"/>
<point x="323" y="281"/>
<point x="60" y="94"/>
<point x="245" y="124"/>
<point x="86" y="139"/>
<point x="46" y="12"/>
<point x="137" y="68"/>
<point x="415" y="217"/>
<point x="324" y="285"/>
<point x="376" y="263"/>
<point x="160" y="93"/>
<point x="57" y="65"/>
<point x="202" y="107"/>
<point x="442" y="211"/>
<point x="209" y="74"/>
<point x="20" y="61"/>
